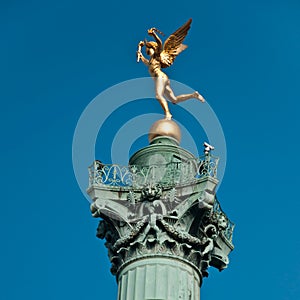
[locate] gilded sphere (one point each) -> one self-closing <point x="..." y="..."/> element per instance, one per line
<point x="165" y="127"/>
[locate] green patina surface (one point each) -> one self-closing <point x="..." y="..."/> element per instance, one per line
<point x="161" y="221"/>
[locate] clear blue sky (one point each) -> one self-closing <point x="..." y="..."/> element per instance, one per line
<point x="56" y="56"/>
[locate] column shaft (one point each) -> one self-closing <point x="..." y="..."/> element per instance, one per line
<point x="159" y="278"/>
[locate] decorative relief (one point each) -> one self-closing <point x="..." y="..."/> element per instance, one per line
<point x="191" y="233"/>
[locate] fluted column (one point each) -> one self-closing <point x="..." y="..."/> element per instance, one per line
<point x="159" y="278"/>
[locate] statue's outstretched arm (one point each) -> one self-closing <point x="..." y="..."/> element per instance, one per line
<point x="144" y="60"/>
<point x="140" y="54"/>
<point x="152" y="32"/>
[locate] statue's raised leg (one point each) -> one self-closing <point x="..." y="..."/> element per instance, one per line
<point x="177" y="99"/>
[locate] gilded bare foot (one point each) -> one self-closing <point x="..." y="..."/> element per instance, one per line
<point x="199" y="97"/>
<point x="168" y="116"/>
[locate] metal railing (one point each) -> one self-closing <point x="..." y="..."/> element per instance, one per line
<point x="137" y="176"/>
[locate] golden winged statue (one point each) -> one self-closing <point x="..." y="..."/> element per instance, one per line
<point x="163" y="56"/>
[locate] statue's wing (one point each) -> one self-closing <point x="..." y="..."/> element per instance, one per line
<point x="173" y="45"/>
